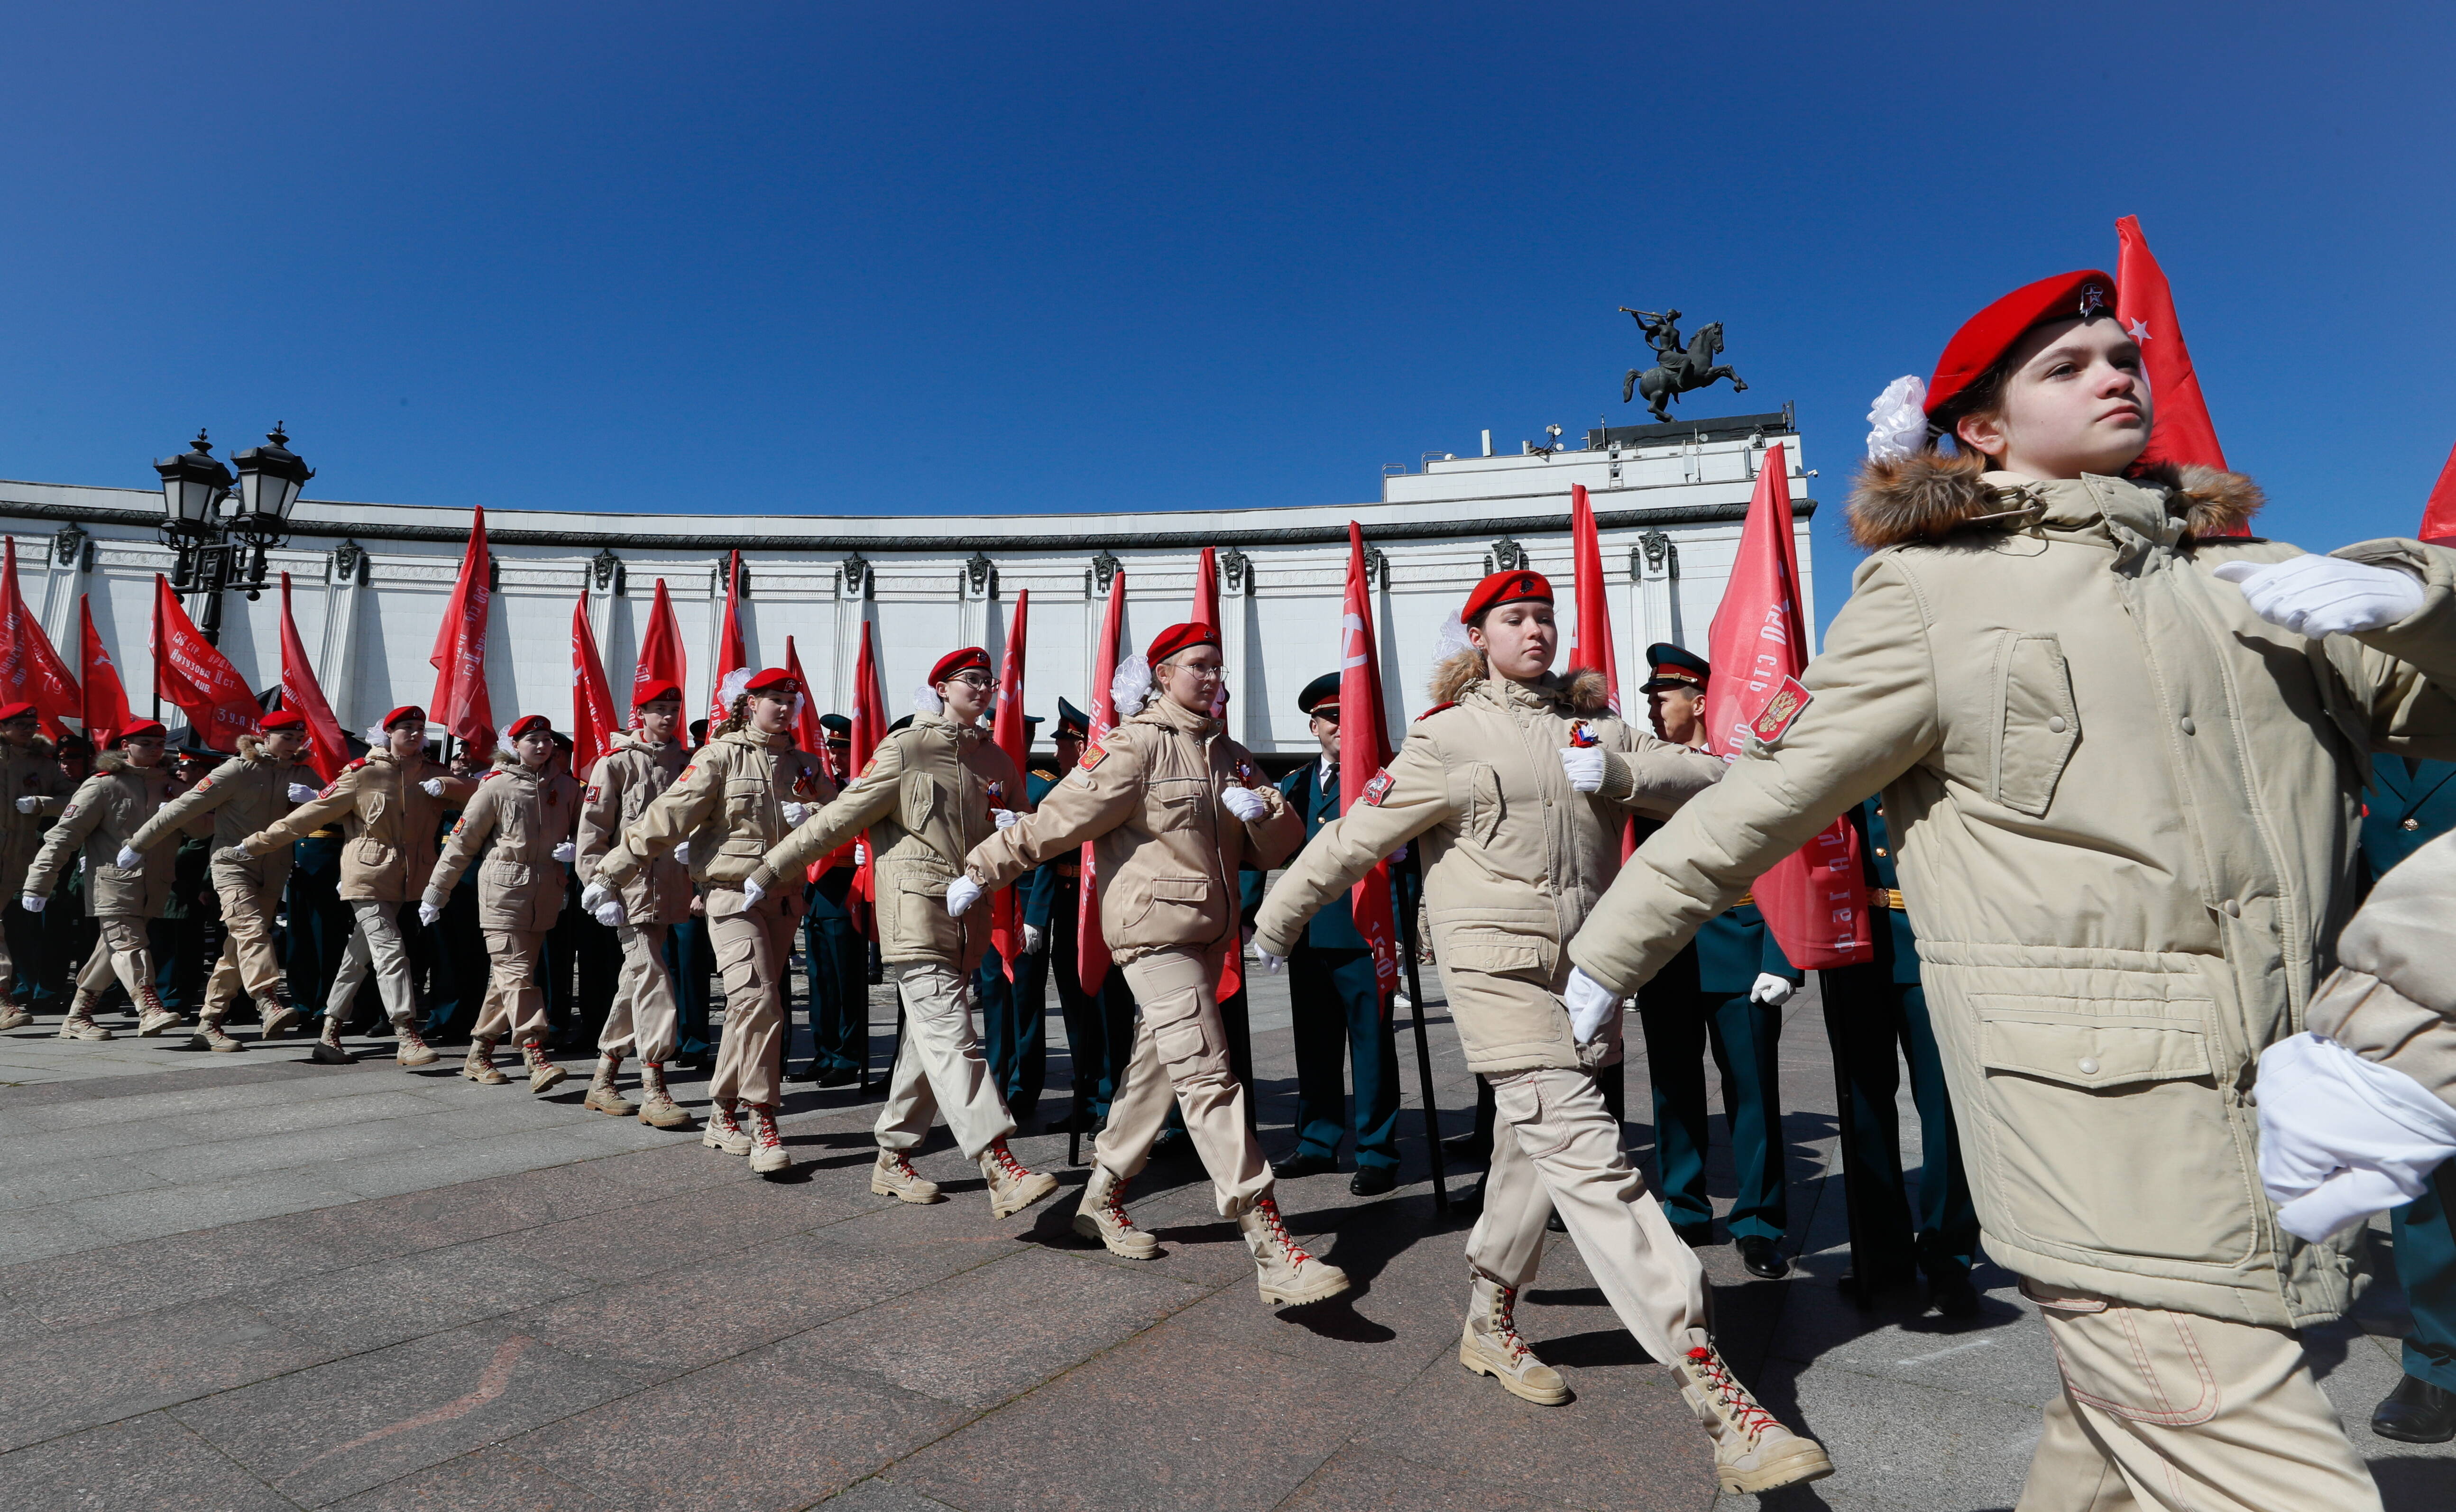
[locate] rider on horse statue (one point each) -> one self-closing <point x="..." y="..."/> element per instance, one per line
<point x="1678" y="368"/>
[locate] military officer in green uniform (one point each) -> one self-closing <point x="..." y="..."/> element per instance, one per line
<point x="833" y="951"/>
<point x="1052" y="895"/>
<point x="1015" y="1012"/>
<point x="1723" y="992"/>
<point x="1872" y="1009"/>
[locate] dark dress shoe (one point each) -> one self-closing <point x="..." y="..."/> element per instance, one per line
<point x="2416" y="1412"/>
<point x="1761" y="1258"/>
<point x="1470" y="1204"/>
<point x="809" y="1073"/>
<point x="1695" y="1236"/>
<point x="1371" y="1181"/>
<point x="841" y="1076"/>
<point x="1295" y="1167"/>
<point x="1953" y="1295"/>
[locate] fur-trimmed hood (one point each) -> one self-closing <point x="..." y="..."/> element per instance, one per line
<point x="113" y="762"/>
<point x="1928" y="496"/>
<point x="1582" y="691"/>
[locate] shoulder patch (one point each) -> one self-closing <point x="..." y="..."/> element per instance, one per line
<point x="356" y="765"/>
<point x="684" y="775"/>
<point x="1094" y="755"/>
<point x="1379" y="787"/>
<point x="1780" y="711"/>
<point x="1437" y="708"/>
<point x="592" y="795"/>
<point x="203" y="784"/>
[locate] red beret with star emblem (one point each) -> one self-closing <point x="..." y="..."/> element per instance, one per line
<point x="655" y="692"/>
<point x="1504" y="588"/>
<point x="277" y="718"/>
<point x="528" y="724"/>
<point x="774" y="682"/>
<point x="138" y="730"/>
<point x="407" y="714"/>
<point x="17" y="710"/>
<point x="970" y="658"/>
<point x="1986" y="336"/>
<point x="1177" y="639"/>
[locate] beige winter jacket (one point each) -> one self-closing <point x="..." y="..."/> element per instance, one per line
<point x="729" y="805"/>
<point x="33" y="772"/>
<point x="925" y="801"/>
<point x="391" y="823"/>
<point x="2392" y="997"/>
<point x="1147" y="796"/>
<point x="2126" y="812"/>
<point x="109" y="808"/>
<point x="244" y="795"/>
<point x="1514" y="858"/>
<point x="627" y="779"/>
<point x="527" y="814"/>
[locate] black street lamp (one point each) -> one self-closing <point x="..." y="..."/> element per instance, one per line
<point x="217" y="551"/>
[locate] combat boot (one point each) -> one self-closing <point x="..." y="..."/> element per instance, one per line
<point x="724" y="1132"/>
<point x="1282" y="1270"/>
<point x="480" y="1067"/>
<point x="152" y="1016"/>
<point x="411" y="1048"/>
<point x="209" y="1031"/>
<point x="893" y="1177"/>
<point x="1101" y="1215"/>
<point x="1012" y="1187"/>
<point x="658" y="1109"/>
<point x="327" y="1050"/>
<point x="543" y="1074"/>
<point x="767" y="1156"/>
<point x="602" y="1098"/>
<point x="1490" y="1346"/>
<point x="1753" y="1451"/>
<point x="14" y="1015"/>
<point x="284" y="1016"/>
<point x="80" y="1024"/>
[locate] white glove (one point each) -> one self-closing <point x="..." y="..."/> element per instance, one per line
<point x="1035" y="939"/>
<point x="2316" y="596"/>
<point x="961" y="894"/>
<point x="129" y="859"/>
<point x="796" y="814"/>
<point x="682" y="854"/>
<point x="2341" y="1137"/>
<point x="433" y="786"/>
<point x="1006" y="818"/>
<point x="1584" y="765"/>
<point x="1591" y="1005"/>
<point x="751" y="892"/>
<point x="28" y="805"/>
<point x="32" y="903"/>
<point x="565" y="852"/>
<point x="301" y="794"/>
<point x="428" y="912"/>
<point x="610" y="912"/>
<point x="593" y="896"/>
<point x="1772" y="990"/>
<point x="1246" y="802"/>
<point x="1269" y="965"/>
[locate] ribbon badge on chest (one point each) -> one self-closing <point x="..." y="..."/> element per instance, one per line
<point x="1581" y="736"/>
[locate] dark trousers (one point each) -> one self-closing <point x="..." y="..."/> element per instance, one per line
<point x="835" y="954"/>
<point x="1868" y="1018"/>
<point x="1745" y="1041"/>
<point x="180" y="960"/>
<point x="457" y="967"/>
<point x="38" y="977"/>
<point x="317" y="939"/>
<point x="2426" y="1267"/>
<point x="1014" y="1019"/>
<point x="1093" y="1073"/>
<point x="1340" y="1031"/>
<point x="692" y="958"/>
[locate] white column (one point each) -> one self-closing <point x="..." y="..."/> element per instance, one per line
<point x="1236" y="635"/>
<point x="61" y="581"/>
<point x="336" y="661"/>
<point x="1653" y="591"/>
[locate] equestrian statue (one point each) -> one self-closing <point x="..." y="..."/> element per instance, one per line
<point x="1677" y="368"/>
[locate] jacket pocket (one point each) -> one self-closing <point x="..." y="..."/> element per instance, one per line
<point x="374" y="855"/>
<point x="922" y="925"/>
<point x="507" y="874"/>
<point x="1498" y="950"/>
<point x="1177" y="803"/>
<point x="1176" y="911"/>
<point x="919" y="797"/>
<point x="2036" y="723"/>
<point x="1475" y="793"/>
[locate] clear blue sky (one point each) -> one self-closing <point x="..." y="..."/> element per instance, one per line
<point x="867" y="258"/>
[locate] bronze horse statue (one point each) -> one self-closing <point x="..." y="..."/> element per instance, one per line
<point x="1679" y="369"/>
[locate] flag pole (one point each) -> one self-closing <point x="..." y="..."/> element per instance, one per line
<point x="1423" y="1060"/>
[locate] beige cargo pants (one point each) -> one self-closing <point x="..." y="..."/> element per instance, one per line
<point x="1182" y="1051"/>
<point x="645" y="1015"/>
<point x="376" y="946"/>
<point x="2178" y="1411"/>
<point x="515" y="1006"/>
<point x="248" y="960"/>
<point x="1555" y="1145"/>
<point x="121" y="953"/>
<point x="754" y="949"/>
<point x="939" y="1066"/>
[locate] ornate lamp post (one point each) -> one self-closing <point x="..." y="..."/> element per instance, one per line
<point x="219" y="551"/>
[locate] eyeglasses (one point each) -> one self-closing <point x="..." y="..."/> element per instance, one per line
<point x="1208" y="673"/>
<point x="973" y="680"/>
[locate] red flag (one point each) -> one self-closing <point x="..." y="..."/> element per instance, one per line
<point x="729" y="653"/>
<point x="1363" y="751"/>
<point x="30" y="671"/>
<point x="868" y="729"/>
<point x="105" y="708"/>
<point x="660" y="649"/>
<point x="1090" y="945"/>
<point x="2439" y="516"/>
<point x="326" y="752"/>
<point x="2183" y="432"/>
<point x="190" y="672"/>
<point x="594" y="724"/>
<point x="1205" y="610"/>
<point x="1815" y="900"/>
<point x="460" y="704"/>
<point x="1011" y="735"/>
<point x="808" y="734"/>
<point x="1591" y="642"/>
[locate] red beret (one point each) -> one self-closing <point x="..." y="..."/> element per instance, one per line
<point x="142" y="726"/>
<point x="18" y="711"/>
<point x="969" y="659"/>
<point x="1178" y="638"/>
<point x="1504" y="588"/>
<point x="646" y="693"/>
<point x="1986" y="336"/>
<point x="284" y="719"/>
<point x="774" y="680"/>
<point x="407" y="714"/>
<point x="528" y="724"/>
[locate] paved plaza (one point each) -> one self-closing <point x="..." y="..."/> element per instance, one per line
<point x="242" y="1281"/>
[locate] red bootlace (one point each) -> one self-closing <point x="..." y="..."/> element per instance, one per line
<point x="721" y="1119"/>
<point x="903" y="1164"/>
<point x="763" y="1121"/>
<point x="1754" y="1419"/>
<point x="1504" y="1322"/>
<point x="1115" y="1206"/>
<point x="1007" y="1162"/>
<point x="1269" y="1208"/>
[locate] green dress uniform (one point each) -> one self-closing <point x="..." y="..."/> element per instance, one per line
<point x="833" y="950"/>
<point x="1871" y="1010"/>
